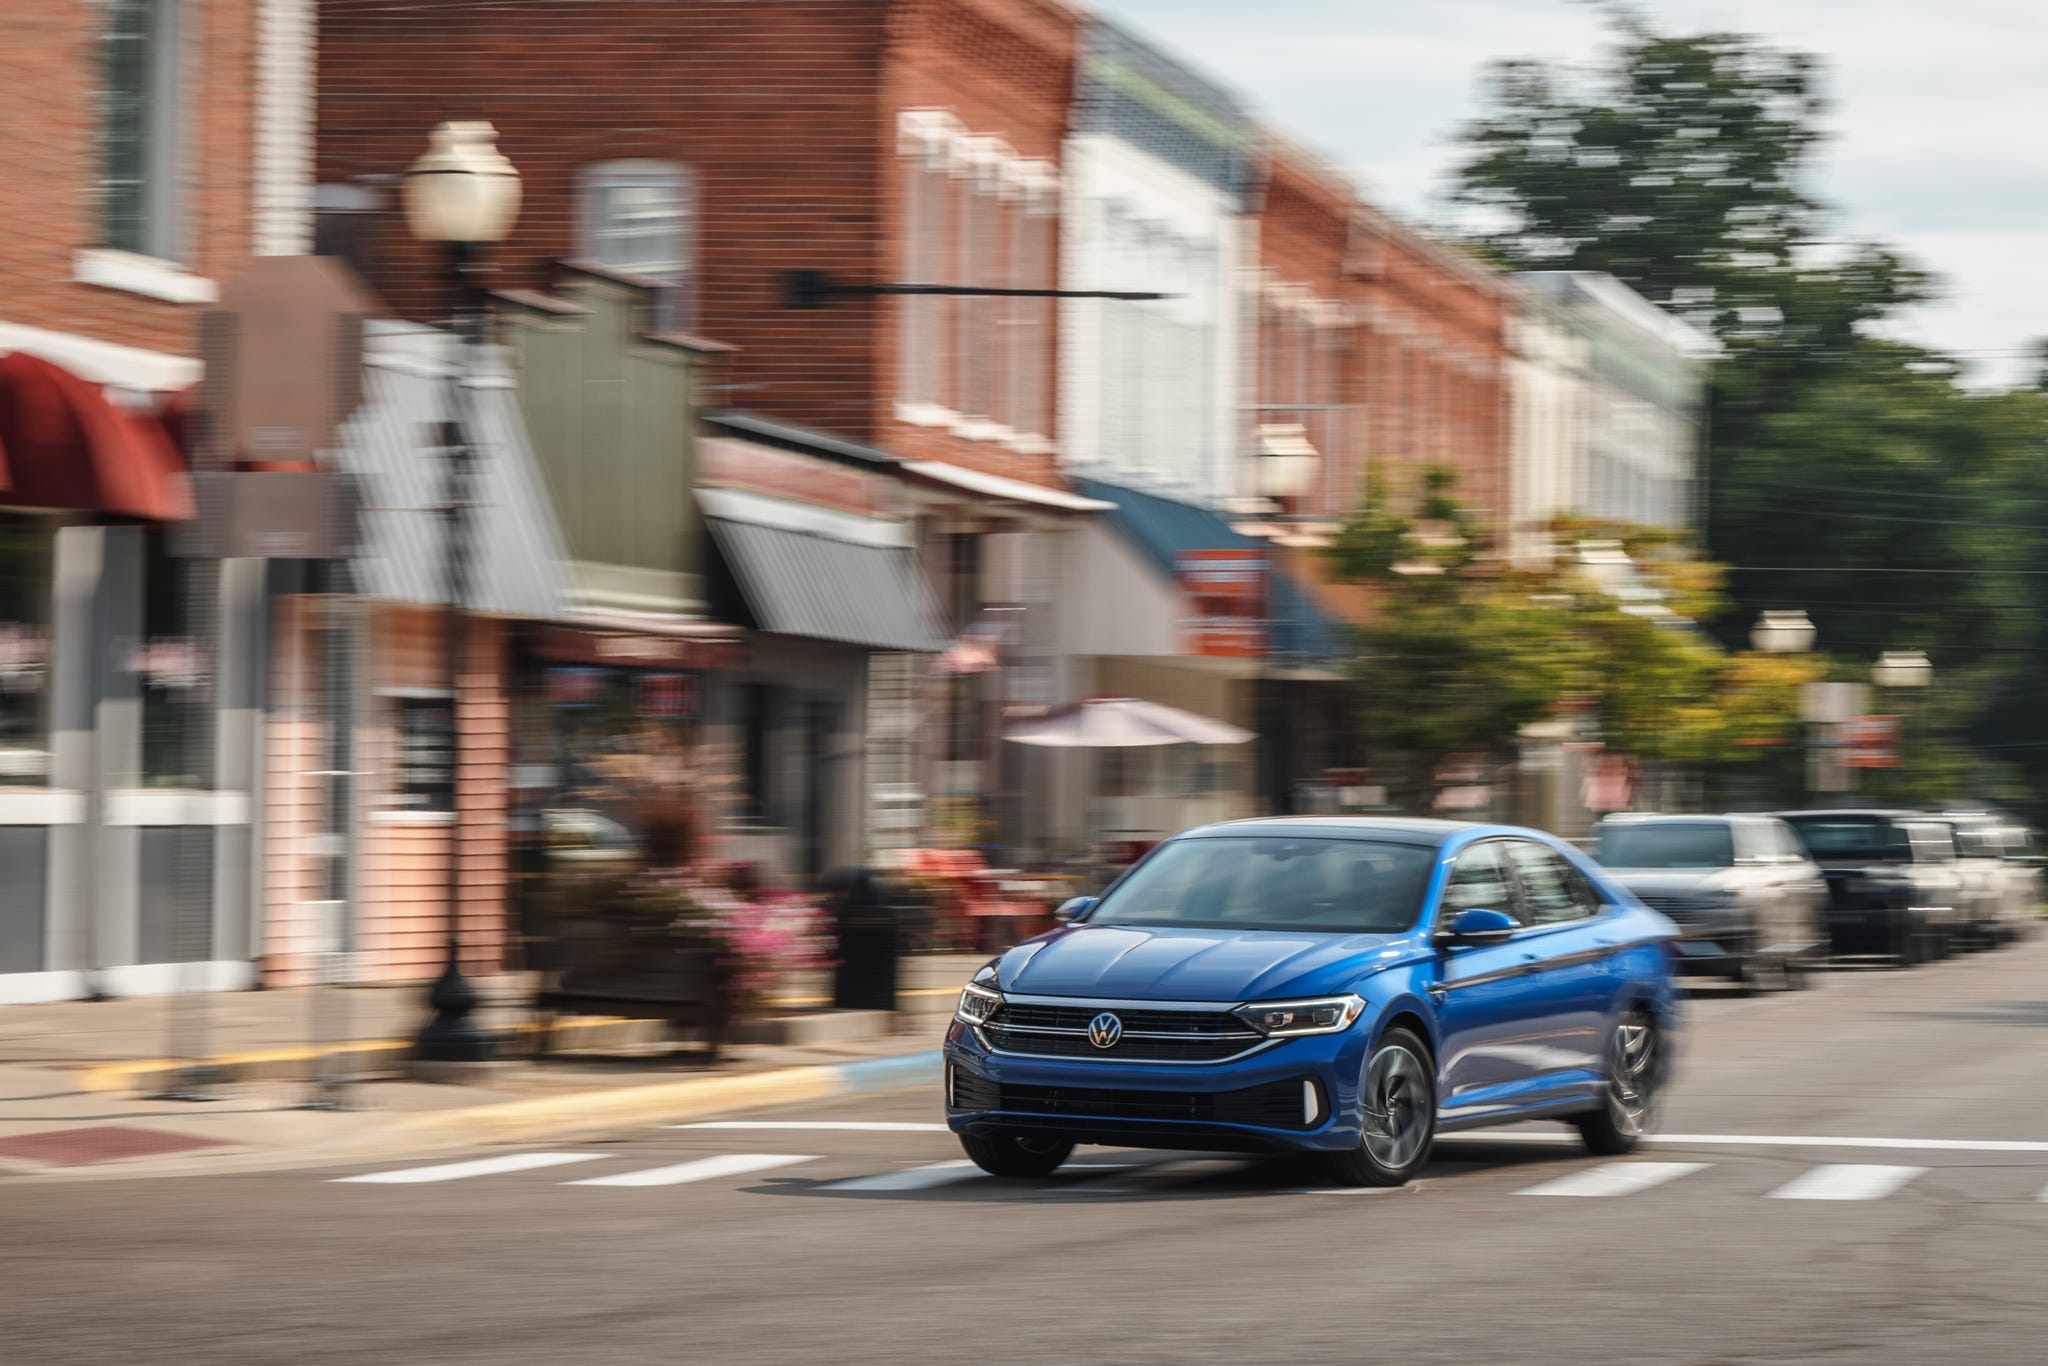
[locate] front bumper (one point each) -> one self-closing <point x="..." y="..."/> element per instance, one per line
<point x="1249" y="1105"/>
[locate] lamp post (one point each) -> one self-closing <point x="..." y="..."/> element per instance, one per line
<point x="461" y="195"/>
<point x="1782" y="633"/>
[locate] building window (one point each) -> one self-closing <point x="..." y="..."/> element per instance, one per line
<point x="139" y="128"/>
<point x="972" y="214"/>
<point x="977" y="222"/>
<point x="639" y="216"/>
<point x="1032" y="225"/>
<point x="923" y="316"/>
<point x="424" y="719"/>
<point x="28" y="547"/>
<point x="170" y="670"/>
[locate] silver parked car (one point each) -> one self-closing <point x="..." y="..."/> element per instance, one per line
<point x="2001" y="873"/>
<point x="1748" y="900"/>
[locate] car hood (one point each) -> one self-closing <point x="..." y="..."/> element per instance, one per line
<point x="1128" y="963"/>
<point x="1672" y="881"/>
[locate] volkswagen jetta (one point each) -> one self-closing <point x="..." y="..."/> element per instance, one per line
<point x="1347" y="987"/>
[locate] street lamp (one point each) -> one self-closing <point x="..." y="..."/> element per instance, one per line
<point x="461" y="195"/>
<point x="1902" y="669"/>
<point x="1782" y="633"/>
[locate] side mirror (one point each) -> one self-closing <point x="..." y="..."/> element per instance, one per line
<point x="1478" y="927"/>
<point x="1076" y="908"/>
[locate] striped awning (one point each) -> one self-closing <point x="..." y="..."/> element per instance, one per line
<point x="824" y="574"/>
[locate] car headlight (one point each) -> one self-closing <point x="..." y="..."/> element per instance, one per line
<point x="1286" y="1019"/>
<point x="977" y="1003"/>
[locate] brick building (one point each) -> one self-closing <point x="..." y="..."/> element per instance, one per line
<point x="721" y="146"/>
<point x="1391" y="344"/>
<point x="717" y="149"/>
<point x="148" y="148"/>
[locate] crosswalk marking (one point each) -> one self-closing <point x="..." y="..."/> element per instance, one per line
<point x="1846" y="1181"/>
<point x="703" y="1169"/>
<point x="910" y="1179"/>
<point x="484" y="1166"/>
<point x="1617" y="1178"/>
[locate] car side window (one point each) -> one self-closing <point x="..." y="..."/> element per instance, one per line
<point x="1479" y="881"/>
<point x="1553" y="889"/>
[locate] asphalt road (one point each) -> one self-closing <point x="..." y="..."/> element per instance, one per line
<point x="833" y="1244"/>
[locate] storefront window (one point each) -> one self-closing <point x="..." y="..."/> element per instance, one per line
<point x="27" y="550"/>
<point x="169" y="668"/>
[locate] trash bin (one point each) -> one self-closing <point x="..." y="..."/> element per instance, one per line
<point x="870" y="925"/>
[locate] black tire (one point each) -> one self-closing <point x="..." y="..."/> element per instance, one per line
<point x="1909" y="943"/>
<point x="1018" y="1155"/>
<point x="1400" y="1119"/>
<point x="1635" y="1085"/>
<point x="1798" y="970"/>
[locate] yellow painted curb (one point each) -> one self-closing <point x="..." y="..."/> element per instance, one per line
<point x="130" y="1076"/>
<point x="664" y="1102"/>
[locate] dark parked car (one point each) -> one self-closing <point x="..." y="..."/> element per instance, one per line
<point x="1750" y="903"/>
<point x="1893" y="885"/>
<point x="1337" y="986"/>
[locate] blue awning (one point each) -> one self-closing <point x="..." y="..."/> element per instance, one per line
<point x="1165" y="528"/>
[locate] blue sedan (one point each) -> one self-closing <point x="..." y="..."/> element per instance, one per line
<point x="1346" y="987"/>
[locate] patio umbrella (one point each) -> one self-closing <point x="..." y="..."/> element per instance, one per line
<point x="1125" y="723"/>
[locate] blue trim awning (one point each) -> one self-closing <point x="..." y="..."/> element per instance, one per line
<point x="1163" y="529"/>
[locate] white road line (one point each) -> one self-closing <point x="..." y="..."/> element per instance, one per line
<point x="1617" y="1178"/>
<point x="485" y="1166"/>
<point x="868" y="1126"/>
<point x="1952" y="1145"/>
<point x="910" y="1179"/>
<point x="1848" y="1181"/>
<point x="703" y="1169"/>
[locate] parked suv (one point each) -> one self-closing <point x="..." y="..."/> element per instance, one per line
<point x="2002" y="872"/>
<point x="1741" y="889"/>
<point x="1893" y="886"/>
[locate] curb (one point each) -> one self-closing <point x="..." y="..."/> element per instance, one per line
<point x="588" y="1112"/>
<point x="370" y="1057"/>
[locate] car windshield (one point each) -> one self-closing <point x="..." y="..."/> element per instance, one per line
<point x="1702" y="844"/>
<point x="1852" y="837"/>
<point x="1331" y="886"/>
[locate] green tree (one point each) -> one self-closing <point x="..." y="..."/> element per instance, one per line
<point x="1847" y="474"/>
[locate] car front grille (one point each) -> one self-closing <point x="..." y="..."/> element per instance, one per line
<point x="1169" y="1036"/>
<point x="1275" y="1105"/>
<point x="1678" y="906"/>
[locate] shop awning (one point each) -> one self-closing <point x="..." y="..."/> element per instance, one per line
<point x="1165" y="530"/>
<point x="1001" y="488"/>
<point x="518" y="560"/>
<point x="67" y="446"/>
<point x="828" y="575"/>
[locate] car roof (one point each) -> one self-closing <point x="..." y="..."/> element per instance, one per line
<point x="1694" y="818"/>
<point x="1401" y="829"/>
<point x="1878" y="812"/>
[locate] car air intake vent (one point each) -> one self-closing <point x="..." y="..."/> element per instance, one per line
<point x="1275" y="1105"/>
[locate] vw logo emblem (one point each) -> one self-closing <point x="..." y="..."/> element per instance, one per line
<point x="1104" y="1030"/>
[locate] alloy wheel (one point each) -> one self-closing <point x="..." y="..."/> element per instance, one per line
<point x="1632" y="1075"/>
<point x="1398" y="1107"/>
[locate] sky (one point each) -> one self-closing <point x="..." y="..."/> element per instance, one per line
<point x="1938" y="118"/>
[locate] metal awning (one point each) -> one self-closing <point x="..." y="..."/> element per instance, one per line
<point x="827" y="575"/>
<point x="518" y="558"/>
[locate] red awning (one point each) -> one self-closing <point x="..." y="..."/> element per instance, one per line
<point x="68" y="447"/>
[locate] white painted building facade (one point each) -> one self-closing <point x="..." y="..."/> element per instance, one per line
<point x="1153" y="175"/>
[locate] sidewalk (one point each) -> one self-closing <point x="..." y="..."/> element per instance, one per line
<point x="75" y="1076"/>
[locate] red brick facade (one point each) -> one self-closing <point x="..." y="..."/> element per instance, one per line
<point x="1400" y="336"/>
<point x="785" y="114"/>
<point x="51" y="76"/>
